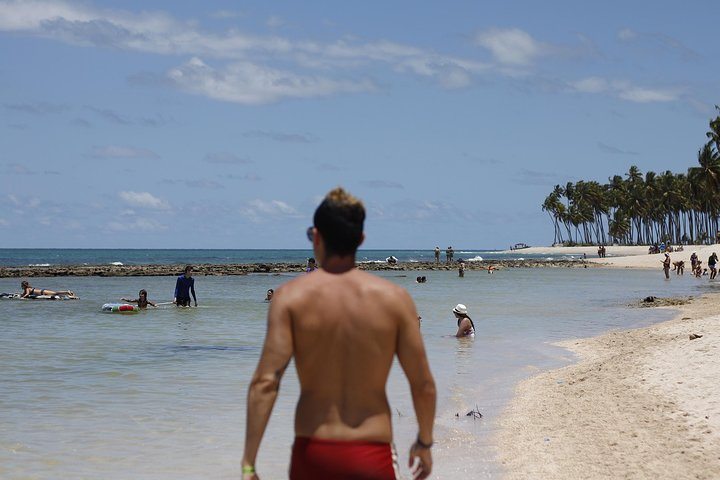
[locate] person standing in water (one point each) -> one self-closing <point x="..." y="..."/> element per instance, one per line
<point x="666" y="265"/>
<point x="343" y="327"/>
<point x="465" y="325"/>
<point x="712" y="261"/>
<point x="184" y="286"/>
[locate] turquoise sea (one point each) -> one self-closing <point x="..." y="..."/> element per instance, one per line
<point x="21" y="257"/>
<point x="161" y="394"/>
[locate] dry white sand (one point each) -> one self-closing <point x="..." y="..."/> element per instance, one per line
<point x="641" y="404"/>
<point x="628" y="257"/>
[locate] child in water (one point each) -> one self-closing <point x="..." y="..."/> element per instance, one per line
<point x="142" y="301"/>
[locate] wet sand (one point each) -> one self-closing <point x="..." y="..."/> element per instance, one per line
<point x="642" y="403"/>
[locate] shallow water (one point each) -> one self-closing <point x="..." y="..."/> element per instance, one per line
<point x="161" y="394"/>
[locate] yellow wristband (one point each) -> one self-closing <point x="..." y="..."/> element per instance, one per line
<point x="248" y="469"/>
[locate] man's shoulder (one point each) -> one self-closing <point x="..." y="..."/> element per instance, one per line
<point x="381" y="288"/>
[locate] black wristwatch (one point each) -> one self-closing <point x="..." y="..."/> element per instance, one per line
<point x="420" y="444"/>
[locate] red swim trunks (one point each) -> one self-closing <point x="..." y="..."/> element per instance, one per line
<point x="314" y="459"/>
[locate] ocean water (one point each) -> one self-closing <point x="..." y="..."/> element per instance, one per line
<point x="21" y="257"/>
<point x="161" y="394"/>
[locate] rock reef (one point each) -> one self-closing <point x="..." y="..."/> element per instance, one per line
<point x="267" y="268"/>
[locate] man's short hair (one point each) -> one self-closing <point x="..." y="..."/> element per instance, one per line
<point x="339" y="219"/>
<point x="188" y="268"/>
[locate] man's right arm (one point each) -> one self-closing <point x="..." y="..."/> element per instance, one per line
<point x="265" y="384"/>
<point x="413" y="360"/>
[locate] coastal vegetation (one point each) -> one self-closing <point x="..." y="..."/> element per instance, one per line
<point x="637" y="209"/>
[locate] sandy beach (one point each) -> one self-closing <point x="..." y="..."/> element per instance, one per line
<point x="617" y="256"/>
<point x="643" y="403"/>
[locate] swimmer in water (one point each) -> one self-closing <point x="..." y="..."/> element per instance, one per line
<point x="466" y="327"/>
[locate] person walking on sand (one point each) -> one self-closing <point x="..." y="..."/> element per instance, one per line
<point x="184" y="286"/>
<point x="437" y="254"/>
<point x="343" y="327"/>
<point x="666" y="265"/>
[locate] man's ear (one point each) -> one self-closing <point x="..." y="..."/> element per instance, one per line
<point x="362" y="239"/>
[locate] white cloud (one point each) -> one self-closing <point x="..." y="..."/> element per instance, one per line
<point x="512" y="46"/>
<point x="254" y="69"/>
<point x="258" y="210"/>
<point x="140" y="223"/>
<point x="591" y="85"/>
<point x="658" y="42"/>
<point x="24" y="203"/>
<point x="118" y="151"/>
<point x="624" y="90"/>
<point x="143" y="200"/>
<point x="275" y="22"/>
<point x="627" y="34"/>
<point x="647" y="95"/>
<point x="253" y="84"/>
<point x="244" y="81"/>
<point x="4" y="223"/>
<point x="225" y="158"/>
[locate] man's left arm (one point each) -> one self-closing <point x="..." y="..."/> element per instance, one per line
<point x="265" y="384"/>
<point x="192" y="289"/>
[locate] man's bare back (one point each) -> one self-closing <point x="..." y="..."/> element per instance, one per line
<point x="345" y="328"/>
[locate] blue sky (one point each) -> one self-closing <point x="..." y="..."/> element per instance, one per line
<point x="164" y="124"/>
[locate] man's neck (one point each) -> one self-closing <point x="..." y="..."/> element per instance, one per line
<point x="338" y="263"/>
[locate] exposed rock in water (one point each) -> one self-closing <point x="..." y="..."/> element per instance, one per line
<point x="662" y="302"/>
<point x="270" y="268"/>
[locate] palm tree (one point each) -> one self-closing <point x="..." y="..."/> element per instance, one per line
<point x="714" y="133"/>
<point x="706" y="181"/>
<point x="644" y="208"/>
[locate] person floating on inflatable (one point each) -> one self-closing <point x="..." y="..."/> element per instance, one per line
<point x="141" y="301"/>
<point x="30" y="292"/>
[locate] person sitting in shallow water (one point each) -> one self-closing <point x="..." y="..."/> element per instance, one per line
<point x="466" y="327"/>
<point x="30" y="291"/>
<point x="141" y="301"/>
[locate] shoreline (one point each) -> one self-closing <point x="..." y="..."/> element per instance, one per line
<point x="640" y="403"/>
<point x="616" y="257"/>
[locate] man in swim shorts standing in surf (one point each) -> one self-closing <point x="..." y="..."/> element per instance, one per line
<point x="343" y="327"/>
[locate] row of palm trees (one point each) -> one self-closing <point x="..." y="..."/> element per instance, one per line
<point x="643" y="209"/>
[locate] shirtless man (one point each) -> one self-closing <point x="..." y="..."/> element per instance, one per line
<point x="343" y="327"/>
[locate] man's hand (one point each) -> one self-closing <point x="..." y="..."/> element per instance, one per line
<point x="423" y="465"/>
